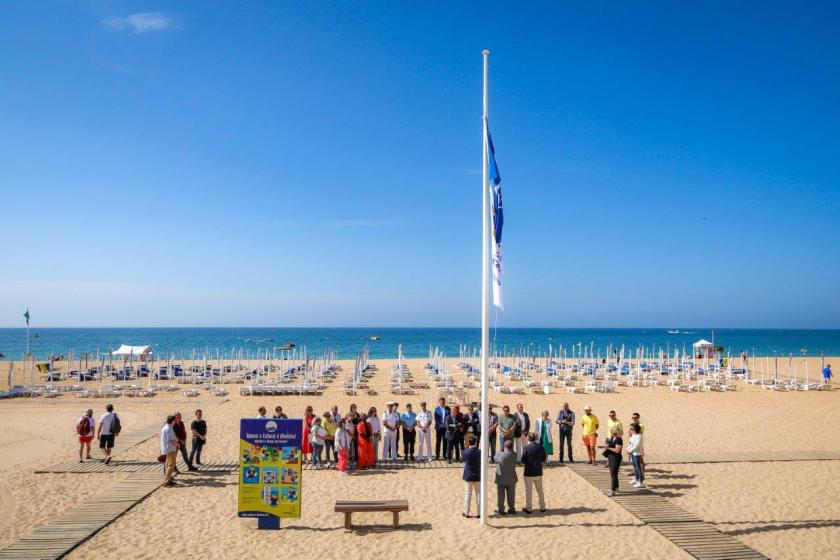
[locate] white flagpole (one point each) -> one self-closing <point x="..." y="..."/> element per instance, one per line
<point x="485" y="300"/>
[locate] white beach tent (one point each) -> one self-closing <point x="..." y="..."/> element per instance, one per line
<point x="703" y="348"/>
<point x="129" y="351"/>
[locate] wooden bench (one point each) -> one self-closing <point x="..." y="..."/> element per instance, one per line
<point x="350" y="507"/>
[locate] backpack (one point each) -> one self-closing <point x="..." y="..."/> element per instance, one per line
<point x="83" y="427"/>
<point x="116" y="427"/>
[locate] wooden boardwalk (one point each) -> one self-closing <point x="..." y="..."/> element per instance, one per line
<point x="69" y="530"/>
<point x="132" y="466"/>
<point x="740" y="457"/>
<point x="700" y="539"/>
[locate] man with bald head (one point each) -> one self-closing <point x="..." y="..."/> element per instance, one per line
<point x="566" y="421"/>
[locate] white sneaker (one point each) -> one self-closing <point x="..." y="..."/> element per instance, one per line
<point x="635" y="483"/>
<point x="641" y="486"/>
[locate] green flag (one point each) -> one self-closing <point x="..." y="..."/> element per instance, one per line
<point x="27" y="316"/>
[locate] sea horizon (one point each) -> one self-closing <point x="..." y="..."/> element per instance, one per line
<point x="383" y="342"/>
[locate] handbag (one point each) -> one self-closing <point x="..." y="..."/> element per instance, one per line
<point x="161" y="458"/>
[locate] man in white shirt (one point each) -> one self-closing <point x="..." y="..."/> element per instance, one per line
<point x="424" y="432"/>
<point x="390" y="425"/>
<point x="261" y="413"/>
<point x="104" y="433"/>
<point x="169" y="448"/>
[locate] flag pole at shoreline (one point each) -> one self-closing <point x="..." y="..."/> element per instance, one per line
<point x="485" y="299"/>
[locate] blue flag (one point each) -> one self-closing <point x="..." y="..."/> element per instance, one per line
<point x="27" y="316"/>
<point x="498" y="218"/>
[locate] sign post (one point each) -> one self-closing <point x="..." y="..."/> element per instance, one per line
<point x="270" y="470"/>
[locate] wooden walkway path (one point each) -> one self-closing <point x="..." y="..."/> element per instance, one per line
<point x="740" y="457"/>
<point x="132" y="466"/>
<point x="69" y="530"/>
<point x="700" y="539"/>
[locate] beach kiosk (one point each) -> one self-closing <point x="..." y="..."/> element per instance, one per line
<point x="703" y="349"/>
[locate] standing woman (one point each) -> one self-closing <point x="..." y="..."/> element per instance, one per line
<point x="612" y="451"/>
<point x="342" y="445"/>
<point x="308" y="417"/>
<point x="317" y="438"/>
<point x="376" y="432"/>
<point x="364" y="443"/>
<point x="543" y="426"/>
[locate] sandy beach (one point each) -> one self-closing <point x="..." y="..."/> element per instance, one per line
<point x="782" y="509"/>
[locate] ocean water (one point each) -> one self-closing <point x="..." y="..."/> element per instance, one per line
<point x="415" y="341"/>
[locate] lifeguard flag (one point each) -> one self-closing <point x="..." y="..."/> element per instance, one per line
<point x="27" y="316"/>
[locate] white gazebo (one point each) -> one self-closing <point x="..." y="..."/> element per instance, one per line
<point x="126" y="351"/>
<point x="703" y="349"/>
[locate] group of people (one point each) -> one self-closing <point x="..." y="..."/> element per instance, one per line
<point x="364" y="439"/>
<point x="173" y="439"/>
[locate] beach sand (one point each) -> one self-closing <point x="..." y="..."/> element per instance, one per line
<point x="783" y="509"/>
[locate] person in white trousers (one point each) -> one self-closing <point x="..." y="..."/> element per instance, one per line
<point x="533" y="458"/>
<point x="424" y="432"/>
<point x="390" y="425"/>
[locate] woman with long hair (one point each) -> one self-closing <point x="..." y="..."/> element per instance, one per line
<point x="306" y="449"/>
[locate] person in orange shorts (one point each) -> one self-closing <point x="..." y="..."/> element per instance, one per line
<point x="589" y="422"/>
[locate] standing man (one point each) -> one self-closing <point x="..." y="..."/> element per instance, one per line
<point x="533" y="457"/>
<point x="107" y="431"/>
<point x="424" y="430"/>
<point x="492" y="426"/>
<point x="198" y="427"/>
<point x="614" y="422"/>
<point x="827" y="376"/>
<point x="507" y="426"/>
<point x="85" y="428"/>
<point x="261" y="412"/>
<point x="473" y="423"/>
<point x="181" y="432"/>
<point x="589" y="422"/>
<point x="566" y="420"/>
<point x="336" y="417"/>
<point x="390" y="425"/>
<point x="329" y="436"/>
<point x="278" y="412"/>
<point x="409" y="424"/>
<point x="455" y="434"/>
<point x="523" y="427"/>
<point x="441" y="412"/>
<point x="506" y="479"/>
<point x="169" y="447"/>
<point x="472" y="477"/>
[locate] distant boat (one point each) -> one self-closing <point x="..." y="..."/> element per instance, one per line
<point x="674" y="332"/>
<point x="376" y="338"/>
<point x="288" y="346"/>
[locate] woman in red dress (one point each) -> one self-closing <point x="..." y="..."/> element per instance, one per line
<point x="364" y="440"/>
<point x="306" y="449"/>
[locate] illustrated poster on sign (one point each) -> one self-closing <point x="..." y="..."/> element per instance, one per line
<point x="270" y="467"/>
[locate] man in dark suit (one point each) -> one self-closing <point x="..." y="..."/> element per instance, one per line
<point x="472" y="476"/>
<point x="441" y="413"/>
<point x="506" y="479"/>
<point x="520" y="434"/>
<point x="532" y="457"/>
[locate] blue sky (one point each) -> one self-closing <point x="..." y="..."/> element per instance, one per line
<point x="302" y="163"/>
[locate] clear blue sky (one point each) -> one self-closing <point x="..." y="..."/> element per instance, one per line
<point x="295" y="164"/>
